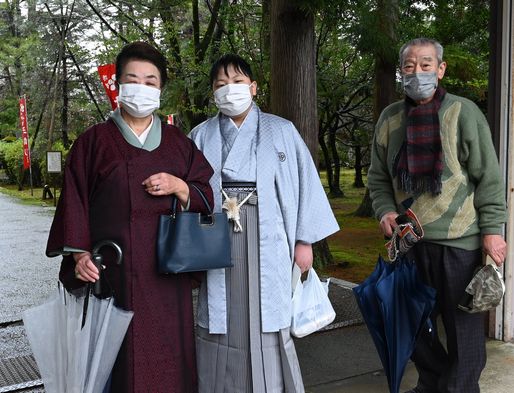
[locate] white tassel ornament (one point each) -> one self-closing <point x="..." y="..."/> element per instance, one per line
<point x="232" y="207"/>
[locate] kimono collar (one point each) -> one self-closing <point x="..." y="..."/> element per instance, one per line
<point x="226" y="121"/>
<point x="153" y="140"/>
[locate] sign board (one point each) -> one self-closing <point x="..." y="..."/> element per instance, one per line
<point x="54" y="161"/>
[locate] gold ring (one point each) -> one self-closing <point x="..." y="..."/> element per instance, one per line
<point x="77" y="274"/>
<point x="156" y="187"/>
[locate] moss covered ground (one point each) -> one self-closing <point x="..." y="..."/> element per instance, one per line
<point x="356" y="246"/>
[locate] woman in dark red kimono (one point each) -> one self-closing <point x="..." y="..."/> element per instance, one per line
<point x="119" y="178"/>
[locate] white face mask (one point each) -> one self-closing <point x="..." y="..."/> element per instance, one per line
<point x="233" y="99"/>
<point x="139" y="100"/>
<point x="420" y="86"/>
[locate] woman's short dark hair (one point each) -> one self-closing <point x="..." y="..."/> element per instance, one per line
<point x="141" y="51"/>
<point x="235" y="61"/>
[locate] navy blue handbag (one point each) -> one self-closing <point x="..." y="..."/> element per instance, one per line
<point x="192" y="242"/>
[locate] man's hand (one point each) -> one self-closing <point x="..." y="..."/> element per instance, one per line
<point x="495" y="247"/>
<point x="388" y="223"/>
<point x="303" y="256"/>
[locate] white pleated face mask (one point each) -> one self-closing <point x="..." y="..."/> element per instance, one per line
<point x="233" y="99"/>
<point x="139" y="100"/>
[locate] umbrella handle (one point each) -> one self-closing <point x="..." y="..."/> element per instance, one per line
<point x="98" y="258"/>
<point x="112" y="244"/>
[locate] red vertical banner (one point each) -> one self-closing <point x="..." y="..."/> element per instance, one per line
<point x="171" y="119"/>
<point x="24" y="133"/>
<point x="107" y="74"/>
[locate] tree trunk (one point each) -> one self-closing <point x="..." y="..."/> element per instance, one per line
<point x="12" y="16"/>
<point x="263" y="72"/>
<point x="386" y="60"/>
<point x="293" y="69"/>
<point x="293" y="80"/>
<point x="326" y="157"/>
<point x="48" y="88"/>
<point x="322" y="254"/>
<point x="60" y="59"/>
<point x="365" y="209"/>
<point x="385" y="85"/>
<point x="85" y="84"/>
<point x="358" y="182"/>
<point x="199" y="99"/>
<point x="385" y="73"/>
<point x="335" y="191"/>
<point x="65" y="103"/>
<point x="50" y="140"/>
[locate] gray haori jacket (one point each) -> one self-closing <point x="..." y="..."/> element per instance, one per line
<point x="292" y="207"/>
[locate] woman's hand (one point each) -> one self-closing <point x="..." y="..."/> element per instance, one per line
<point x="303" y="256"/>
<point x="85" y="269"/>
<point x="165" y="184"/>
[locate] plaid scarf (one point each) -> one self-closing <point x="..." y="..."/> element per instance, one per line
<point x="418" y="166"/>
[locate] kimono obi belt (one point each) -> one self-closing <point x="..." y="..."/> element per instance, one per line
<point x="241" y="191"/>
<point x="240" y="187"/>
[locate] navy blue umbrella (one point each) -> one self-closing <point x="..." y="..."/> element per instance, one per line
<point x="396" y="306"/>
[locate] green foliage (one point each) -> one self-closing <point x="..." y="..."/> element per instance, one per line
<point x="11" y="158"/>
<point x="345" y="84"/>
<point x="466" y="74"/>
<point x="350" y="34"/>
<point x="9" y="138"/>
<point x="466" y="43"/>
<point x="9" y="120"/>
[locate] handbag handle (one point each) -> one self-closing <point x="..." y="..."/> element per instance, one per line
<point x="202" y="195"/>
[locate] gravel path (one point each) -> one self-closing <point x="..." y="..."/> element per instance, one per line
<point x="27" y="275"/>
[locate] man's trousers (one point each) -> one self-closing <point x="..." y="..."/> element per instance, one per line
<point x="457" y="368"/>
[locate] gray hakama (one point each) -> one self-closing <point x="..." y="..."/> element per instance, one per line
<point x="246" y="360"/>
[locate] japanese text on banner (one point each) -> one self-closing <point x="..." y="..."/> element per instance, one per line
<point x="24" y="133"/>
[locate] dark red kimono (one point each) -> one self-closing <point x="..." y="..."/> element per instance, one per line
<point x="103" y="198"/>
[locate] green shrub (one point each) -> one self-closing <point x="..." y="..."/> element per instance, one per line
<point x="11" y="156"/>
<point x="11" y="159"/>
<point x="9" y="138"/>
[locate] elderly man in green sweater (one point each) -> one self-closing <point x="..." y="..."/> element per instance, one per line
<point x="436" y="149"/>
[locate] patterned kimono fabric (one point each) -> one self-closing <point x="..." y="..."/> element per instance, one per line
<point x="158" y="353"/>
<point x="245" y="360"/>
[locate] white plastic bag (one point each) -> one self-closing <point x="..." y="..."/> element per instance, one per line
<point x="311" y="308"/>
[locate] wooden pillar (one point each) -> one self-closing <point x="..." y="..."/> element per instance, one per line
<point x="501" y="322"/>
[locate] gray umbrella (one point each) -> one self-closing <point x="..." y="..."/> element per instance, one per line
<point x="76" y="339"/>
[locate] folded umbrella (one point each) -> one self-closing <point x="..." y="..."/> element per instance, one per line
<point x="75" y="339"/>
<point x="396" y="306"/>
<point x="367" y="300"/>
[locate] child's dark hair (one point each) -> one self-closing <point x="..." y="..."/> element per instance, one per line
<point x="141" y="51"/>
<point x="236" y="61"/>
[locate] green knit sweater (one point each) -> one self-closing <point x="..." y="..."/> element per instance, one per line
<point x="472" y="201"/>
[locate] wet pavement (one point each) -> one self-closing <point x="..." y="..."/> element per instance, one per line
<point x="28" y="276"/>
<point x="339" y="359"/>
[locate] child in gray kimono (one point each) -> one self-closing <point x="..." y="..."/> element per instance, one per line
<point x="265" y="178"/>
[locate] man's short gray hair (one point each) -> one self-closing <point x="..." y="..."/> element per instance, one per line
<point x="422" y="42"/>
